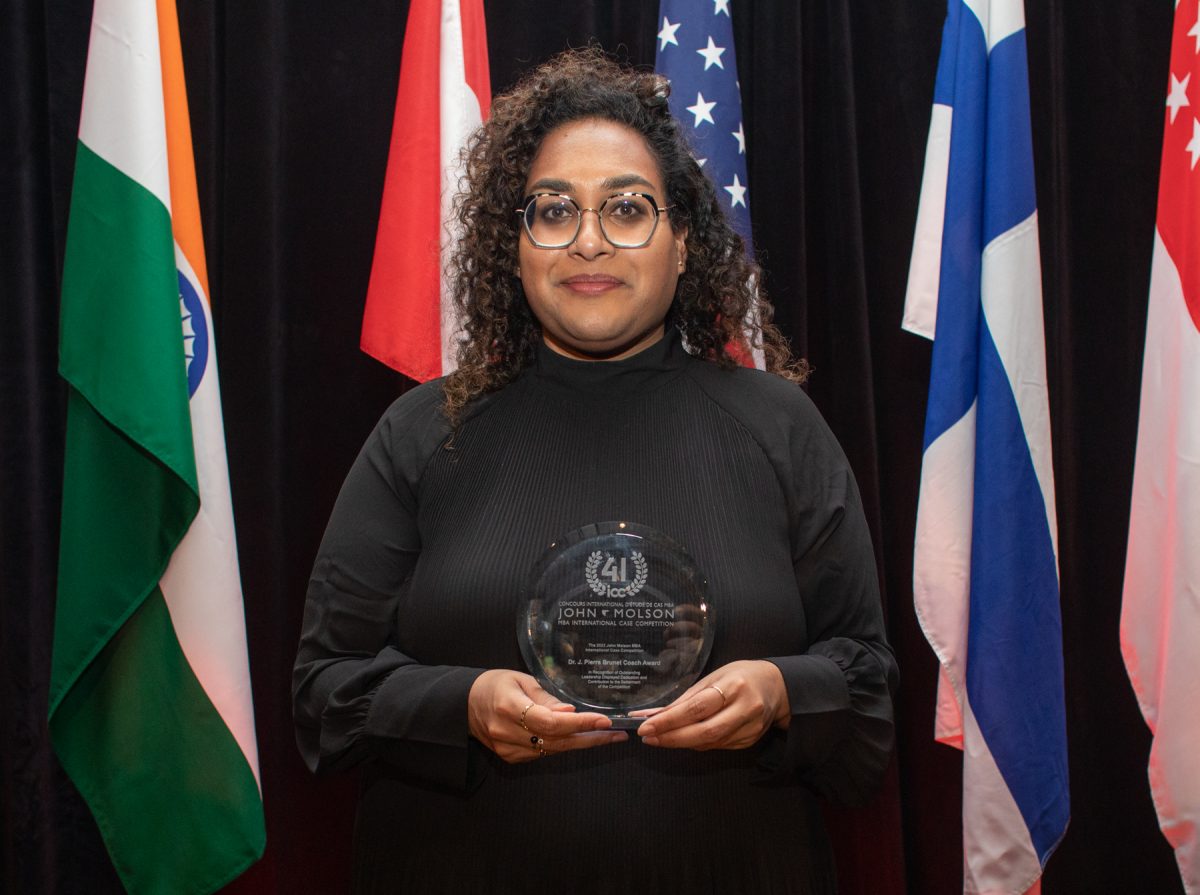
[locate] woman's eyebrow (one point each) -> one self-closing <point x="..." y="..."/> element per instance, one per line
<point x="624" y="181"/>
<point x="619" y="182"/>
<point x="550" y="183"/>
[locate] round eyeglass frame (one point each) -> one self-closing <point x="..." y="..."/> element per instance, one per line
<point x="529" y="200"/>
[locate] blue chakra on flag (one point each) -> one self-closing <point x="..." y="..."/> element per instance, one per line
<point x="195" y="333"/>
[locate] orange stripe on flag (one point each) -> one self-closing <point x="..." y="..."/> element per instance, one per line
<point x="185" y="203"/>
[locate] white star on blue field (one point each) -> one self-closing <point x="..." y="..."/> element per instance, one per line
<point x="695" y="51"/>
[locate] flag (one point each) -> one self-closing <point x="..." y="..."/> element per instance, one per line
<point x="409" y="322"/>
<point x="985" y="576"/>
<point x="696" y="54"/>
<point x="150" y="704"/>
<point x="1160" y="611"/>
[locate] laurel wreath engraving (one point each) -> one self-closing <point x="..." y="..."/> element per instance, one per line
<point x="589" y="571"/>
<point x="640" y="574"/>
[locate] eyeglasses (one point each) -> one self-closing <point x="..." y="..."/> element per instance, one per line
<point x="627" y="220"/>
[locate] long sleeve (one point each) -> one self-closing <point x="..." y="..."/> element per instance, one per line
<point x="355" y="694"/>
<point x="841" y="731"/>
<point x="424" y="568"/>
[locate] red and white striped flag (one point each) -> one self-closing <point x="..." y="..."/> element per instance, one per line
<point x="1160" y="615"/>
<point x="444" y="94"/>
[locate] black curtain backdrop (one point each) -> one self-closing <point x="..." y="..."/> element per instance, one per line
<point x="291" y="108"/>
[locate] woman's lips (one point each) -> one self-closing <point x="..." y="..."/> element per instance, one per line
<point x="591" y="283"/>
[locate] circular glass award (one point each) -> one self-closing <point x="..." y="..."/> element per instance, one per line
<point x="616" y="617"/>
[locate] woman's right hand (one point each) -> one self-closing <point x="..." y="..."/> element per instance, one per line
<point x="513" y="716"/>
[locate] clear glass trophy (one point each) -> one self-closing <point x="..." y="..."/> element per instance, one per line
<point x="615" y="618"/>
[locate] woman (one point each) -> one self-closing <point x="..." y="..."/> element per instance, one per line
<point x="595" y="252"/>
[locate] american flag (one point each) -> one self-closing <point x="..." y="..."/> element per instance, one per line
<point x="695" y="52"/>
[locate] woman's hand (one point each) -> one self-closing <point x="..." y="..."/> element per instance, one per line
<point x="729" y="709"/>
<point x="514" y="717"/>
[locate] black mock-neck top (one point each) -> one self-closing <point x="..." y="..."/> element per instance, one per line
<point x="415" y="592"/>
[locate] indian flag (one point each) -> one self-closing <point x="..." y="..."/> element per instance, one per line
<point x="150" y="703"/>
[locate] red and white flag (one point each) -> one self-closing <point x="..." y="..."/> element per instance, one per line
<point x="445" y="93"/>
<point x="1160" y="615"/>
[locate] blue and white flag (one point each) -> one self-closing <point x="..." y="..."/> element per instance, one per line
<point x="985" y="574"/>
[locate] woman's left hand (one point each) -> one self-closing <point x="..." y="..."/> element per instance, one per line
<point x="729" y="709"/>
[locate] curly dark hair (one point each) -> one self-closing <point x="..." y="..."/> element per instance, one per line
<point x="718" y="301"/>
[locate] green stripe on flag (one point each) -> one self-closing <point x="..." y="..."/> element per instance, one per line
<point x="170" y="789"/>
<point x="123" y="515"/>
<point x="129" y="491"/>
<point x="159" y="769"/>
<point x="121" y="338"/>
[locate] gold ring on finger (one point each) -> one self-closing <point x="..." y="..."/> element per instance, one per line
<point x="719" y="690"/>
<point x="524" y="711"/>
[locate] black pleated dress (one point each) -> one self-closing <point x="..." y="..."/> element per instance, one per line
<point x="415" y="592"/>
